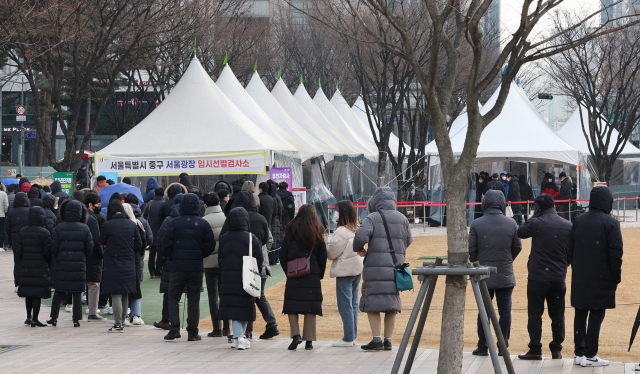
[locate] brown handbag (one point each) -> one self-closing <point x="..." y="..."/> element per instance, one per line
<point x="299" y="267"/>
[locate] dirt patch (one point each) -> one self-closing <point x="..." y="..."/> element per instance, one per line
<point x="614" y="336"/>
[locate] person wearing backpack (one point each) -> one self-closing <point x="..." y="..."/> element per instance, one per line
<point x="379" y="290"/>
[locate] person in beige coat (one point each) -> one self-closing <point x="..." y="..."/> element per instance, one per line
<point x="346" y="268"/>
<point x="214" y="215"/>
<point x="4" y="208"/>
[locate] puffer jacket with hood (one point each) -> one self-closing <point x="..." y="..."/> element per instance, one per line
<point x="222" y="185"/>
<point x="379" y="293"/>
<point x="33" y="248"/>
<point x="18" y="217"/>
<point x="71" y="245"/>
<point x="163" y="262"/>
<point x="151" y="214"/>
<point x="189" y="238"/>
<point x="216" y="218"/>
<point x="493" y="241"/>
<point x="550" y="187"/>
<point x="235" y="303"/>
<point x="11" y="196"/>
<point x="514" y="194"/>
<point x="595" y="254"/>
<point x="121" y="239"/>
<point x="34" y="197"/>
<point x="94" y="261"/>
<point x="172" y="190"/>
<point x="288" y="206"/>
<point x="50" y="205"/>
<point x="147" y="228"/>
<point x="276" y="221"/>
<point x="56" y="190"/>
<point x="152" y="184"/>
<point x="185" y="180"/>
<point x="267" y="204"/>
<point x="346" y="262"/>
<point x="565" y="190"/>
<point x="251" y="187"/>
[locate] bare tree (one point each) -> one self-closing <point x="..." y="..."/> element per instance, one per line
<point x="603" y="77"/>
<point x="456" y="26"/>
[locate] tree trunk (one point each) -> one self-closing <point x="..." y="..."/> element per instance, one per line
<point x="382" y="167"/>
<point x="87" y="119"/>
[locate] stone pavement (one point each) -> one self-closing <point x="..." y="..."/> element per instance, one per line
<point x="142" y="350"/>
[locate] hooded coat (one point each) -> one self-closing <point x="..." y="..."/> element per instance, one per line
<point x="148" y="233"/>
<point x="71" y="245"/>
<point x="172" y="190"/>
<point x="48" y="203"/>
<point x="189" y="238"/>
<point x="152" y="184"/>
<point x="493" y="241"/>
<point x="514" y="194"/>
<point x="33" y="248"/>
<point x="496" y="185"/>
<point x="56" y="190"/>
<point x="216" y="219"/>
<point x="267" y="206"/>
<point x="34" y="197"/>
<point x="288" y="206"/>
<point x="595" y="254"/>
<point x="151" y="214"/>
<point x="235" y="303"/>
<point x="549" y="188"/>
<point x="251" y="187"/>
<point x="222" y="185"/>
<point x="185" y="180"/>
<point x="163" y="262"/>
<point x="526" y="194"/>
<point x="379" y="293"/>
<point x="94" y="261"/>
<point x="276" y="221"/>
<point x="121" y="240"/>
<point x="17" y="219"/>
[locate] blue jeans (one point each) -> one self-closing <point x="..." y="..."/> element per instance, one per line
<point x="239" y="327"/>
<point x="136" y="307"/>
<point x="347" y="290"/>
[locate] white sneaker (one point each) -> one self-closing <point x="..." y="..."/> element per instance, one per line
<point x="137" y="321"/>
<point x="2" y="249"/>
<point x="247" y="343"/>
<point x="342" y="343"/>
<point x="126" y="322"/>
<point x="107" y="310"/>
<point x="578" y="360"/>
<point x="234" y="344"/>
<point x="97" y="311"/>
<point x="68" y="309"/>
<point x="242" y="344"/>
<point x="594" y="361"/>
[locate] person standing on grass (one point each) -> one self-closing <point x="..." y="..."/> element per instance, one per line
<point x="379" y="292"/>
<point x="493" y="241"/>
<point x="33" y="246"/>
<point x="188" y="240"/>
<point x="121" y="240"/>
<point x="595" y="255"/>
<point x="235" y="303"/>
<point x="547" y="267"/>
<point x="135" y="298"/>
<point x="347" y="269"/>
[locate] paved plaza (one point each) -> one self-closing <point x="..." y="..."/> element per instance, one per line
<point x="91" y="349"/>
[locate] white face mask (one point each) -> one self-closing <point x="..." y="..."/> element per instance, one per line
<point x="504" y="178"/>
<point x="480" y="180"/>
<point x="550" y="180"/>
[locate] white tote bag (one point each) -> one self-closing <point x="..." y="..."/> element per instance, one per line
<point x="509" y="212"/>
<point x="251" y="281"/>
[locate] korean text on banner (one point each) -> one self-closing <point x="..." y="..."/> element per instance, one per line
<point x="282" y="175"/>
<point x="66" y="181"/>
<point x="239" y="163"/>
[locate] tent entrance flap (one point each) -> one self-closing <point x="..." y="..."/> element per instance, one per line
<point x="232" y="163"/>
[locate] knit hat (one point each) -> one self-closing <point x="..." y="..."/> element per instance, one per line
<point x="25" y="187"/>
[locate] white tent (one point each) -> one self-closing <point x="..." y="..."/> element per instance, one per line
<point x="230" y="86"/>
<point x="305" y="141"/>
<point x="518" y="134"/>
<point x="195" y="119"/>
<point x="349" y="116"/>
<point x="572" y="133"/>
<point x="341" y="125"/>
<point x="286" y="100"/>
<point x="305" y="101"/>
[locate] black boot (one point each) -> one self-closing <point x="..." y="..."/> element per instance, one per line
<point x="76" y="323"/>
<point x="296" y="341"/>
<point x="373" y="346"/>
<point x="36" y="323"/>
<point x="480" y="352"/>
<point x="308" y="346"/>
<point x="172" y="335"/>
<point x="53" y="322"/>
<point x="27" y="321"/>
<point x="270" y="333"/>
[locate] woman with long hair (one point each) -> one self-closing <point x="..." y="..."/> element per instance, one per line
<point x="304" y="237"/>
<point x="347" y="269"/>
<point x="135" y="298"/>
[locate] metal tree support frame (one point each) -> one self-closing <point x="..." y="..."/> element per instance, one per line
<point x="428" y="275"/>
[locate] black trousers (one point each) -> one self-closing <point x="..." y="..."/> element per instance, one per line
<point x="212" y="276"/>
<point x="193" y="282"/>
<point x="165" y="308"/>
<point x="77" y="304"/>
<point x="554" y="294"/>
<point x="503" y="297"/>
<point x="586" y="338"/>
<point x="33" y="307"/>
<point x="265" y="309"/>
<point x="152" y="262"/>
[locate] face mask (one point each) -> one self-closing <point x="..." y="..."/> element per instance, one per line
<point x="504" y="178"/>
<point x="97" y="209"/>
<point x="509" y="179"/>
<point x="480" y="180"/>
<point x="550" y="180"/>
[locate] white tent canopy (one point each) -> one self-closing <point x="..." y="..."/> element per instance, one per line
<point x="343" y="109"/>
<point x="572" y="133"/>
<point x="305" y="141"/>
<point x="230" y="86"/>
<point x="284" y="97"/>
<point x="518" y="134"/>
<point x="191" y="121"/>
<point x="305" y="101"/>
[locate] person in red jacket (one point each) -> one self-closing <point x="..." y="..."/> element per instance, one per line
<point x="549" y="185"/>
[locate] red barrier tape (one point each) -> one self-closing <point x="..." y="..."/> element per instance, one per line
<point x="412" y="204"/>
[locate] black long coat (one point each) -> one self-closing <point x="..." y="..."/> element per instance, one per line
<point x="33" y="248"/>
<point x="122" y="240"/>
<point x="34" y="197"/>
<point x="288" y="206"/>
<point x="71" y="245"/>
<point x="48" y="202"/>
<point x="94" y="262"/>
<point x="276" y="221"/>
<point x="595" y="254"/>
<point x="257" y="223"/>
<point x="235" y="303"/>
<point x="514" y="194"/>
<point x="267" y="206"/>
<point x="17" y="219"/>
<point x="163" y="262"/>
<point x="303" y="294"/>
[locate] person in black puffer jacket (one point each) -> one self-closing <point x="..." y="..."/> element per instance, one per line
<point x="56" y="190"/>
<point x="267" y="204"/>
<point x="17" y="219"/>
<point x="93" y="202"/>
<point x="235" y="303"/>
<point x="34" y="197"/>
<point x="288" y="204"/>
<point x="188" y="240"/>
<point x="526" y="194"/>
<point x="151" y="212"/>
<point x="71" y="245"/>
<point x="172" y="190"/>
<point x="276" y="223"/>
<point x="121" y="238"/>
<point x="514" y="195"/>
<point x="33" y="248"/>
<point x="164" y="263"/>
<point x="148" y="234"/>
<point x="50" y="205"/>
